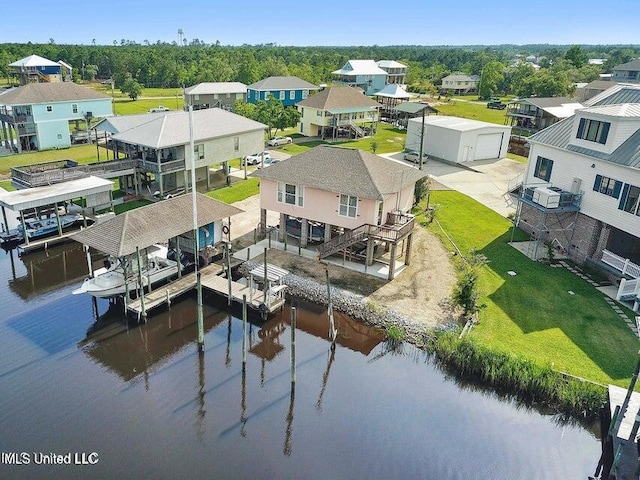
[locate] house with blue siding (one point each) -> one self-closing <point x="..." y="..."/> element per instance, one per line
<point x="290" y="90"/>
<point x="42" y="116"/>
<point x="581" y="189"/>
<point x="34" y="69"/>
<point x="363" y="74"/>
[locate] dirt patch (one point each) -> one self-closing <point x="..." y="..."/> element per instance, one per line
<point x="421" y="292"/>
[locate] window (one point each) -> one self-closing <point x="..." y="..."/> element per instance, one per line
<point x="593" y="130"/>
<point x="228" y="95"/>
<point x="49" y="108"/>
<point x="348" y="206"/>
<point x="292" y="94"/>
<point x="236" y="144"/>
<point x="543" y="168"/>
<point x="281" y="95"/>
<point x="198" y="151"/>
<point x="632" y="75"/>
<point x="608" y="186"/>
<point x="319" y="113"/>
<point x="629" y="199"/>
<point x="305" y="94"/>
<point x="59" y="136"/>
<point x="291" y="194"/>
<point x="196" y="96"/>
<point x="74" y="107"/>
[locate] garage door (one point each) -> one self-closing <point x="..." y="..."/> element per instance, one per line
<point x="488" y="146"/>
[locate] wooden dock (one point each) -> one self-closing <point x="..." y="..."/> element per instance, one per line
<point x="211" y="280"/>
<point x="624" y="441"/>
<point x="45" y="243"/>
<point x="166" y="293"/>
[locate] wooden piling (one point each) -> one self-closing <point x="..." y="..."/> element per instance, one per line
<point x="143" y="313"/>
<point x="200" y="319"/>
<point x="227" y="251"/>
<point x="244" y="331"/>
<point x="333" y="333"/>
<point x="293" y="345"/>
<point x="266" y="278"/>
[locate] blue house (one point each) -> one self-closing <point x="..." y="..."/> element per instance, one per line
<point x="290" y="90"/>
<point x="34" y="69"/>
<point x="363" y="74"/>
<point x="40" y="116"/>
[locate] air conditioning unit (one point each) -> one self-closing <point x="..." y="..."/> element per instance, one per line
<point x="546" y="197"/>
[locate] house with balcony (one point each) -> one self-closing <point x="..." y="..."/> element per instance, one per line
<point x="460" y="83"/>
<point x="158" y="144"/>
<point x="627" y="72"/>
<point x="41" y="116"/>
<point x="289" y="90"/>
<point x="214" y="95"/>
<point x="36" y="69"/>
<point x="534" y="114"/>
<point x="581" y="188"/>
<point x="363" y="74"/>
<point x="349" y="201"/>
<point x="338" y="111"/>
<point x="396" y="71"/>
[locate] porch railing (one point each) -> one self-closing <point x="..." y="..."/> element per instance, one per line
<point x="624" y="265"/>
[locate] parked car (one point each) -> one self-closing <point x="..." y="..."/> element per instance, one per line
<point x="277" y="141"/>
<point x="496" y="103"/>
<point x="413" y="156"/>
<point x="269" y="162"/>
<point x="159" y="108"/>
<point x="256" y="158"/>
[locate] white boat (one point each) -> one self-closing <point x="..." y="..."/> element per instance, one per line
<point x="109" y="281"/>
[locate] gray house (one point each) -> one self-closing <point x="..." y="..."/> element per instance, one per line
<point x="214" y="94"/>
<point x="627" y="72"/>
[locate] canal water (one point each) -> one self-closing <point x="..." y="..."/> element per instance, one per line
<point x="144" y="404"/>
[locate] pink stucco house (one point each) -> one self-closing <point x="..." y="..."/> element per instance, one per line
<point x="342" y="197"/>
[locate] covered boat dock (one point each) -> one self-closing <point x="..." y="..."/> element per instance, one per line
<point x="46" y="200"/>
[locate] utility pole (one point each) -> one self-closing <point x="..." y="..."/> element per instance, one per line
<point x="424" y="108"/>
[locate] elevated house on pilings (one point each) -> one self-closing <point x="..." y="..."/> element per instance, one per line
<point x="159" y="144"/>
<point x="581" y="189"/>
<point x="354" y="203"/>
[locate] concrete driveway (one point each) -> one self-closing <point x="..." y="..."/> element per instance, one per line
<point x="485" y="180"/>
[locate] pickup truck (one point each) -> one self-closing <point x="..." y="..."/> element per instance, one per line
<point x="496" y="103"/>
<point x="159" y="108"/>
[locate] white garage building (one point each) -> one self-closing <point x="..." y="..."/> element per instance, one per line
<point x="458" y="139"/>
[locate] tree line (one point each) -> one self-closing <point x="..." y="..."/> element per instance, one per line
<point x="162" y="64"/>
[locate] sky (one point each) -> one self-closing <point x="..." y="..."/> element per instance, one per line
<point x="330" y="23"/>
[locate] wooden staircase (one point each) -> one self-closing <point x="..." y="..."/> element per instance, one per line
<point x="342" y="241"/>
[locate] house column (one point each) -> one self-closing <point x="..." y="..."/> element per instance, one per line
<point x="208" y="179"/>
<point x="19" y="145"/>
<point x="407" y="255"/>
<point x="370" y="249"/>
<point x="159" y="178"/>
<point x="263" y="221"/>
<point x="327" y="232"/>
<point x="603" y="240"/>
<point x="392" y="262"/>
<point x="283" y="227"/>
<point x="4" y="134"/>
<point x="304" y="232"/>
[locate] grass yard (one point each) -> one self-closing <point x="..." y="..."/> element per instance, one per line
<point x="533" y="314"/>
<point x="236" y="191"/>
<point x="133" y="204"/>
<point x="6" y="184"/>
<point x="517" y="158"/>
<point x="473" y="111"/>
<point x="146" y="92"/>
<point x="133" y="107"/>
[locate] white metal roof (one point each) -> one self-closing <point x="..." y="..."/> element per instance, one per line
<point x="360" y="67"/>
<point x="34" y="61"/>
<point x="390" y="64"/>
<point x="393" y="91"/>
<point x="563" y="111"/>
<point x="619" y="110"/>
<point x="211" y="88"/>
<point x="18" y="200"/>
<point x="274" y="274"/>
<point x="456" y="123"/>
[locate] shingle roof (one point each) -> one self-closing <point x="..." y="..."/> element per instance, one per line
<point x="49" y="92"/>
<point x="282" y="83"/>
<point x="343" y="170"/>
<point x="34" y="61"/>
<point x="153" y="223"/>
<point x="462" y="77"/>
<point x="360" y="67"/>
<point x="544" y="102"/>
<point x="632" y="65"/>
<point x="338" y="97"/>
<point x="172" y="128"/>
<point x="211" y="88"/>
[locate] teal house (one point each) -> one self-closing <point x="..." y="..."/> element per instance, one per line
<point x="290" y="90"/>
<point x="42" y="116"/>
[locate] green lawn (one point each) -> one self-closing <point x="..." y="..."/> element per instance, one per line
<point x="473" y="111"/>
<point x="236" y="191"/>
<point x="125" y="207"/>
<point x="131" y="107"/>
<point x="146" y="92"/>
<point x="517" y="158"/>
<point x="533" y="314"/>
<point x="6" y="184"/>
